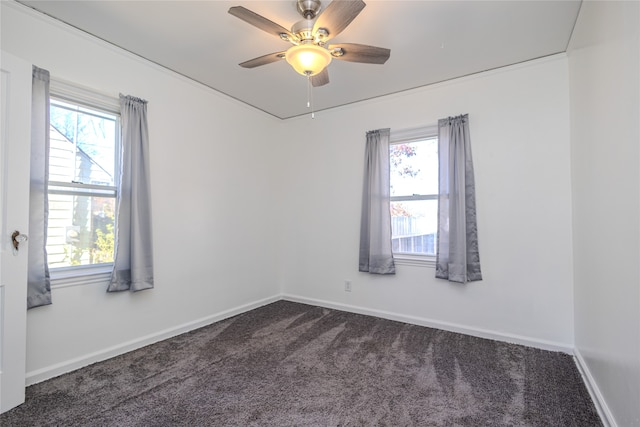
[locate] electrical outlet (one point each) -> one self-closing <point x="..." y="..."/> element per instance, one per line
<point x="347" y="285"/>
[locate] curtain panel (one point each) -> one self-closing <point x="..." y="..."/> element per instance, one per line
<point x="458" y="258"/>
<point x="38" y="278"/>
<point x="133" y="264"/>
<point x="376" y="256"/>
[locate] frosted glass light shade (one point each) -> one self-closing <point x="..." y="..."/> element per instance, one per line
<point x="308" y="59"/>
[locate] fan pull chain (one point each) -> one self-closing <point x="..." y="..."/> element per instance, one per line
<point x="308" y="90"/>
<point x="310" y="95"/>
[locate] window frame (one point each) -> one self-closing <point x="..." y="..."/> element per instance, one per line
<point x="72" y="93"/>
<point x="404" y="136"/>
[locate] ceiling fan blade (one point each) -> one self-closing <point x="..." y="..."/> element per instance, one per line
<point x="261" y="22"/>
<point x="263" y="60"/>
<point x="354" y="52"/>
<point x="337" y="16"/>
<point x="320" y="79"/>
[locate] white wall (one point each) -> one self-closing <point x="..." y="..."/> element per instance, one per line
<point x="605" y="135"/>
<point x="519" y="124"/>
<point x="212" y="194"/>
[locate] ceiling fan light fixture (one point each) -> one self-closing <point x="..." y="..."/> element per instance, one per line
<point x="308" y="59"/>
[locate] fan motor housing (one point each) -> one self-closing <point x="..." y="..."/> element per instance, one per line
<point x="303" y="30"/>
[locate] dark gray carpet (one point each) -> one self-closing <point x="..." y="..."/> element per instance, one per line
<point x="289" y="364"/>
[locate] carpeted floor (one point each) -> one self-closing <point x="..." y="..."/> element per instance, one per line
<point x="290" y="364"/>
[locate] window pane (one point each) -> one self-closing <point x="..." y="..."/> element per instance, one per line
<point x="81" y="230"/>
<point x="414" y="167"/>
<point x="82" y="145"/>
<point x="414" y="226"/>
<point x="83" y="151"/>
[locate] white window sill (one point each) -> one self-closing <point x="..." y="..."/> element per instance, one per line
<point x="79" y="276"/>
<point x="415" y="260"/>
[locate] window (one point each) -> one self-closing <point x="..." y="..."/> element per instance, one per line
<point x="83" y="160"/>
<point x="413" y="157"/>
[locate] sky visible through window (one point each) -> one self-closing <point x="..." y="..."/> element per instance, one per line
<point x="415" y="170"/>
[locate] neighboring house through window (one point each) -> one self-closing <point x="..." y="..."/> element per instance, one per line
<point x="413" y="157"/>
<point x="83" y="181"/>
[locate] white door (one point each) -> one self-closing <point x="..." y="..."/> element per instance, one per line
<point x="15" y="118"/>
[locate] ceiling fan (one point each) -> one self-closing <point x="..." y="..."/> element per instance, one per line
<point x="309" y="54"/>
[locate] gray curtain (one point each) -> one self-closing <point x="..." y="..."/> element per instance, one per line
<point x="133" y="265"/>
<point x="457" y="259"/>
<point x="375" y="226"/>
<point x="38" y="279"/>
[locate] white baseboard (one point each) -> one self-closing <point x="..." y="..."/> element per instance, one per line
<point x="48" y="372"/>
<point x="437" y="324"/>
<point x="598" y="400"/>
<point x="34" y="377"/>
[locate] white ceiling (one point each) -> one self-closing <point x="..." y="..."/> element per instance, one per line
<point x="430" y="41"/>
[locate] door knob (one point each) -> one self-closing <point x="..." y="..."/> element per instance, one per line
<point x="16" y="239"/>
